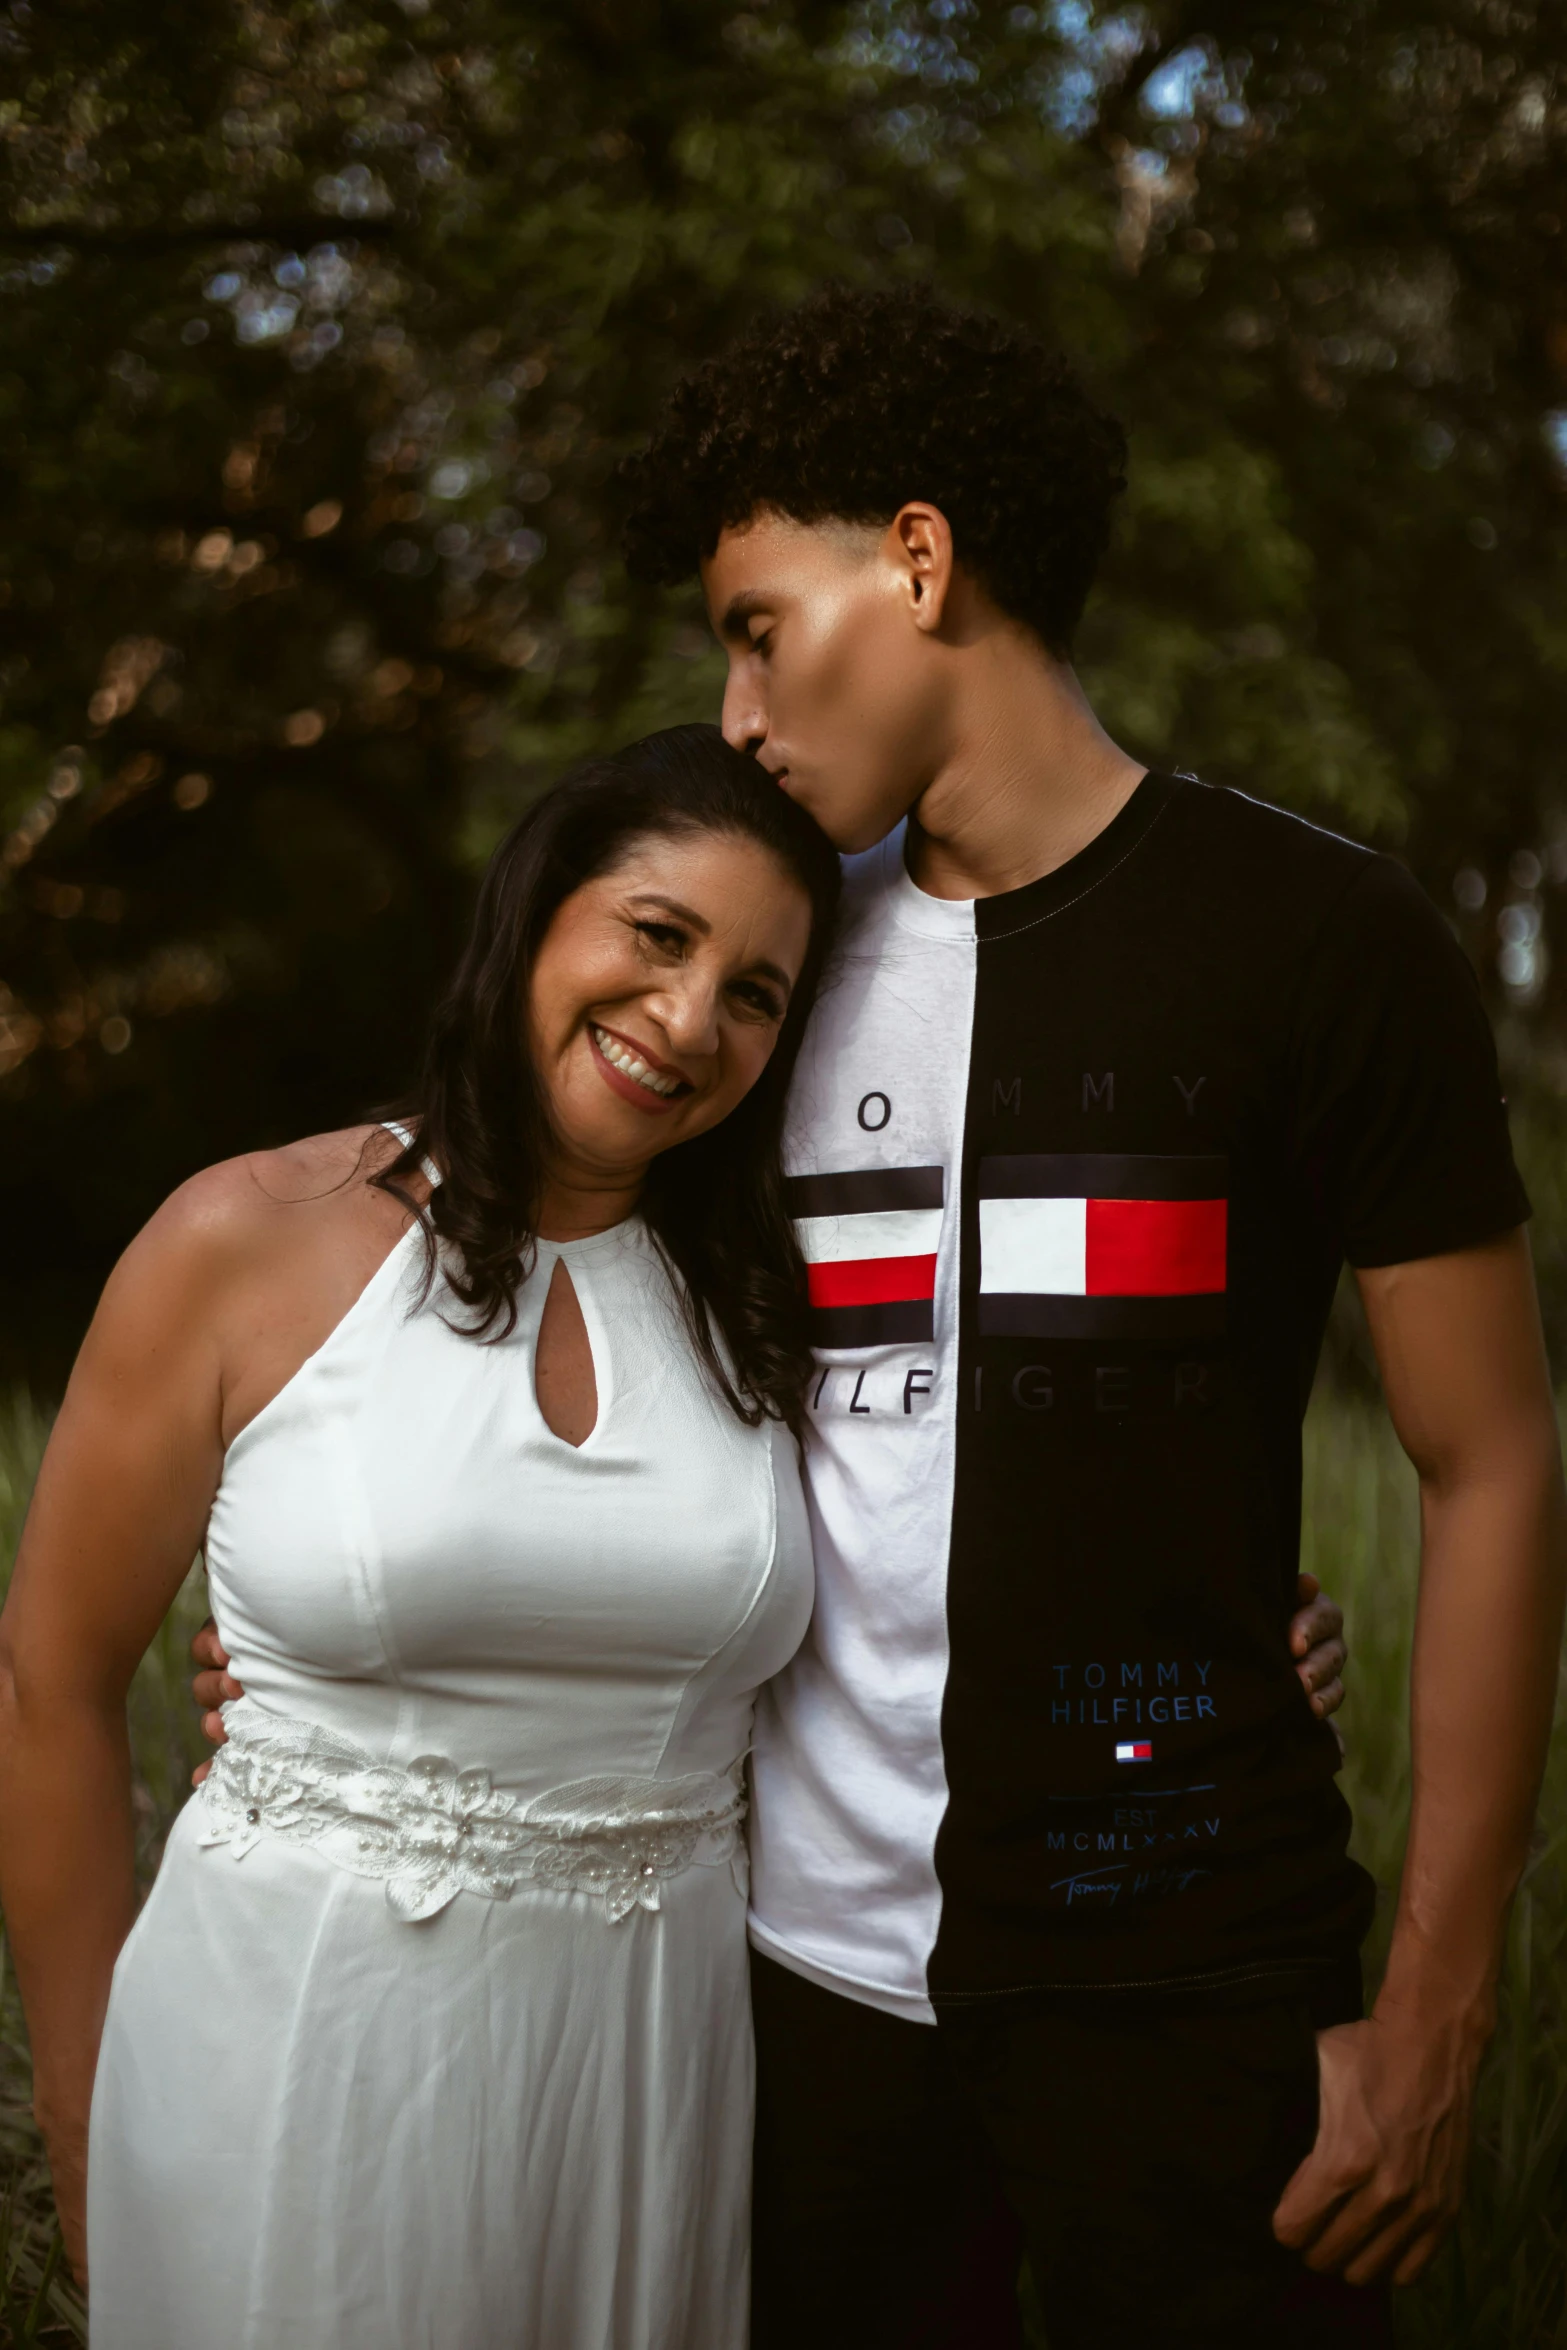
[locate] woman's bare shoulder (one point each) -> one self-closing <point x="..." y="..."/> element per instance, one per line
<point x="242" y="1212"/>
<point x="219" y="1284"/>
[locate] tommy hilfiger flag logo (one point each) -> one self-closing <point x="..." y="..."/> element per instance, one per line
<point x="1103" y="1247"/>
<point x="1139" y="1750"/>
<point x="869" y="1239"/>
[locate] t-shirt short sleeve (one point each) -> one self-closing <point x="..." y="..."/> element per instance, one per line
<point x="1402" y="1126"/>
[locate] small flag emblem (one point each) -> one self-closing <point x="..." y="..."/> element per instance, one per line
<point x="1140" y="1750"/>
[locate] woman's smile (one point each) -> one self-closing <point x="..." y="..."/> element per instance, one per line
<point x="632" y="1071"/>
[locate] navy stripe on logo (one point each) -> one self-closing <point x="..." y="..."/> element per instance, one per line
<point x="1099" y="1175"/>
<point x="864" y="1190"/>
<point x="1147" y="1321"/>
<point x="905" y="1323"/>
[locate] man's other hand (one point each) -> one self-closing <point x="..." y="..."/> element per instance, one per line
<point x="1386" y="2175"/>
<point x="214" y="1685"/>
<point x="1317" y="1642"/>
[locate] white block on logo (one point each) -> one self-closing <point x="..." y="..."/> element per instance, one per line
<point x="881" y="1232"/>
<point x="1037" y="1246"/>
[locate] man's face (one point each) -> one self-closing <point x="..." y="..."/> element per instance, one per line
<point x="835" y="680"/>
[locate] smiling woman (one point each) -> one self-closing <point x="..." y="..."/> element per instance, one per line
<point x="435" y="2025"/>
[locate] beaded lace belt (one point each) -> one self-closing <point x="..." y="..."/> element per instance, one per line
<point x="432" y="1831"/>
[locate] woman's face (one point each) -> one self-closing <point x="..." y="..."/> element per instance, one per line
<point x="658" y="995"/>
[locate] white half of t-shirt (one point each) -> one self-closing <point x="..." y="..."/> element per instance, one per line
<point x="848" y="1778"/>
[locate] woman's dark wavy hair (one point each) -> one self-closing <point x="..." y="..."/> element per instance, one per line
<point x="714" y="1205"/>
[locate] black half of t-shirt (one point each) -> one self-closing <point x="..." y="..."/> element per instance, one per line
<point x="1254" y="1050"/>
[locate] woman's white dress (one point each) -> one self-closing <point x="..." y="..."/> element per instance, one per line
<point x="353" y="2094"/>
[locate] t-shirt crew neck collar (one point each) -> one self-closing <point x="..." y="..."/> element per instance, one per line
<point x="967" y="919"/>
<point x="951" y="919"/>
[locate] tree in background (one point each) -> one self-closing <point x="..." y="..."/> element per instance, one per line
<point x="327" y="326"/>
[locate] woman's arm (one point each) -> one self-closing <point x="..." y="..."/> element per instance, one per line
<point x="119" y="1513"/>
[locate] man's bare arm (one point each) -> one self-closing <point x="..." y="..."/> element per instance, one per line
<point x="1463" y="1366"/>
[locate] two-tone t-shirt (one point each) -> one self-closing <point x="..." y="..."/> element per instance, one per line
<point x="1074" y="1171"/>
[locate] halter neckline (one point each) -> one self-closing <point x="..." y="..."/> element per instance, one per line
<point x="427" y="1167"/>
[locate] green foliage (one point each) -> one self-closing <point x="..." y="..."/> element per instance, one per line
<point x="325" y="330"/>
<point x="24" y="1431"/>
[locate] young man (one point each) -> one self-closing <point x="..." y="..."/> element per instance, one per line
<point x="1115" y="1072"/>
<point x="1051" y="1900"/>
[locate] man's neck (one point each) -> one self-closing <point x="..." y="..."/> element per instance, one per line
<point x="1030" y="779"/>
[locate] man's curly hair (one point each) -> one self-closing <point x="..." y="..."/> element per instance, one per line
<point x="857" y="402"/>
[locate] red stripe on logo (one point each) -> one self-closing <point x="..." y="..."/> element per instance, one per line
<point x="873" y="1281"/>
<point x="1156" y="1247"/>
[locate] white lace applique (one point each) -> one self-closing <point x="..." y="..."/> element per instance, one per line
<point x="432" y="1831"/>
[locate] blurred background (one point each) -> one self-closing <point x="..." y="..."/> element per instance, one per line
<point x="325" y="325"/>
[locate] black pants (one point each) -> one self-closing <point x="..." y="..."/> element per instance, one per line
<point x="901" y="2171"/>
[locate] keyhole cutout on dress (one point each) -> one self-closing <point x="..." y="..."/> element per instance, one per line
<point x="563" y="1376"/>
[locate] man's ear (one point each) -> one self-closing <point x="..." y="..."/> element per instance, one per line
<point x="919" y="540"/>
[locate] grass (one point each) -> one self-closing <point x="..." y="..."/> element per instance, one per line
<point x="1500" y="2283"/>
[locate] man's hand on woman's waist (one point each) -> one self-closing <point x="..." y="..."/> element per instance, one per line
<point x="1316" y="1643"/>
